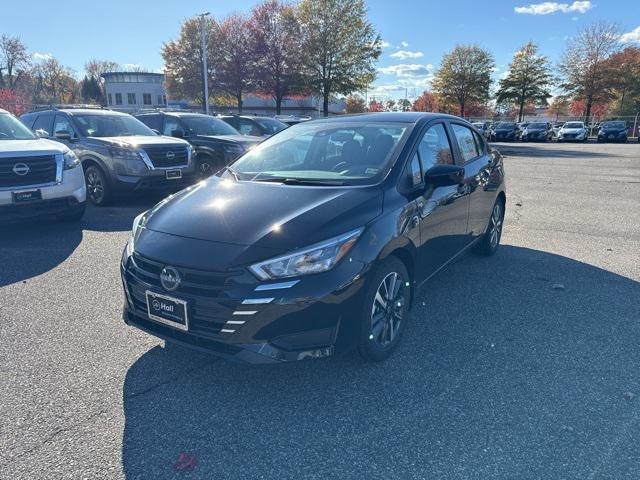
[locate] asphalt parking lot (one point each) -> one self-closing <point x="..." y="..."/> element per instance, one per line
<point x="524" y="365"/>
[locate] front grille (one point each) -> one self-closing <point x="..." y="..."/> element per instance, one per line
<point x="42" y="169"/>
<point x="158" y="155"/>
<point x="203" y="290"/>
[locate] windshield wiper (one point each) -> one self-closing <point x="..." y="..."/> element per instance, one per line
<point x="302" y="181"/>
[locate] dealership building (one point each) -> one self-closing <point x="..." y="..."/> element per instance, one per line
<point x="132" y="91"/>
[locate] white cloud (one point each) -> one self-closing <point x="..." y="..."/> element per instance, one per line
<point x="545" y="8"/>
<point x="407" y="70"/>
<point x="403" y="45"/>
<point x="384" y="44"/>
<point x="41" y="56"/>
<point x="630" y="37"/>
<point x="404" y="54"/>
<point x="504" y="75"/>
<point x="130" y="66"/>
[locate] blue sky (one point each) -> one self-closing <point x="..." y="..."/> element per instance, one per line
<point x="416" y="33"/>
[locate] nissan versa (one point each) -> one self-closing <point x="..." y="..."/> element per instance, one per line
<point x="316" y="241"/>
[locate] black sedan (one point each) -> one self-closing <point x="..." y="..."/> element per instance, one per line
<point x="613" y="131"/>
<point x="215" y="143"/>
<point x="505" y="132"/>
<point x="316" y="241"/>
<point x="537" y="132"/>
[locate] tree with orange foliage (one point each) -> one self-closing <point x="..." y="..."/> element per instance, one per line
<point x="427" y="102"/>
<point x="375" y="106"/>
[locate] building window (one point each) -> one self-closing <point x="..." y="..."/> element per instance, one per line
<point x="160" y="100"/>
<point x="110" y="99"/>
<point x="146" y="98"/>
<point x="118" y="99"/>
<point x="131" y="98"/>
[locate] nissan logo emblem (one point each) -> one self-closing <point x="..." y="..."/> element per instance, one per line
<point x="21" y="169"/>
<point x="170" y="155"/>
<point x="170" y="278"/>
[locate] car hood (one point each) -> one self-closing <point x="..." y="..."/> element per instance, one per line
<point x="505" y="130"/>
<point x="267" y="215"/>
<point x="572" y="130"/>
<point x="38" y="146"/>
<point x="535" y="129"/>
<point x="137" y="140"/>
<point x="241" y="139"/>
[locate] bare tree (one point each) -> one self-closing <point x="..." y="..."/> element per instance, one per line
<point x="584" y="67"/>
<point x="95" y="68"/>
<point x="14" y="60"/>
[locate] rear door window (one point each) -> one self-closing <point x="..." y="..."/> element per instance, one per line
<point x="152" y="121"/>
<point x="466" y="142"/>
<point x="62" y="124"/>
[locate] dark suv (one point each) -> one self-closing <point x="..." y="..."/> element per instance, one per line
<point x="118" y="152"/>
<point x="215" y="143"/>
<point x="255" y="126"/>
<point x="317" y="240"/>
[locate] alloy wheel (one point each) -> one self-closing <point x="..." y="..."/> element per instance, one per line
<point x="495" y="227"/>
<point x="95" y="187"/>
<point x="387" y="309"/>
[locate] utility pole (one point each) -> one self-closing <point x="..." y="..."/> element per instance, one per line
<point x="205" y="72"/>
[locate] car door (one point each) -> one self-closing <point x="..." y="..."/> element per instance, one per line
<point x="442" y="210"/>
<point x="474" y="154"/>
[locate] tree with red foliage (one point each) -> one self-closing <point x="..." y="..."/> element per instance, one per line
<point x="427" y="102"/>
<point x="579" y="107"/>
<point x="11" y="101"/>
<point x="276" y="45"/>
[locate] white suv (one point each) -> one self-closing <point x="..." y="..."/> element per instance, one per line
<point x="38" y="178"/>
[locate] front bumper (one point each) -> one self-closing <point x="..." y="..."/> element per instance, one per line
<point x="233" y="315"/>
<point x="155" y="181"/>
<point x="612" y="137"/>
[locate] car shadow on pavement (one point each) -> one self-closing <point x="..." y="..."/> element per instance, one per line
<point x="28" y="250"/>
<point x="563" y="150"/>
<point x="523" y="365"/>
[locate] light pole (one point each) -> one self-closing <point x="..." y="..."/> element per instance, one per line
<point x="205" y="73"/>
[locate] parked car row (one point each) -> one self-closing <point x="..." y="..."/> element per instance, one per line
<point x="574" y="131"/>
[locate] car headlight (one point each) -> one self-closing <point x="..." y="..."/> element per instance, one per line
<point x="138" y="224"/>
<point x="317" y="258"/>
<point x="129" y="160"/>
<point x="233" y="149"/>
<point x="70" y="160"/>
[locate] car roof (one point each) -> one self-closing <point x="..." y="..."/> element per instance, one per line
<point x="399" y="117"/>
<point x="91" y="111"/>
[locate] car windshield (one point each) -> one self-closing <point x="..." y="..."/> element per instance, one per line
<point x="202" y="125"/>
<point x="13" y="129"/>
<point x="537" y="125"/>
<point x="614" y="125"/>
<point x="505" y="125"/>
<point x="333" y="153"/>
<point x="573" y="125"/>
<point x="271" y="125"/>
<point x="110" y="126"/>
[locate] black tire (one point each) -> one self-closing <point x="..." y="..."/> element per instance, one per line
<point x="382" y="324"/>
<point x="76" y="216"/>
<point x="98" y="189"/>
<point x="490" y="241"/>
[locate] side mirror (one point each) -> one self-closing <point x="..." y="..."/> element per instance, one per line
<point x="442" y="175"/>
<point x="178" y="133"/>
<point x="63" y="135"/>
